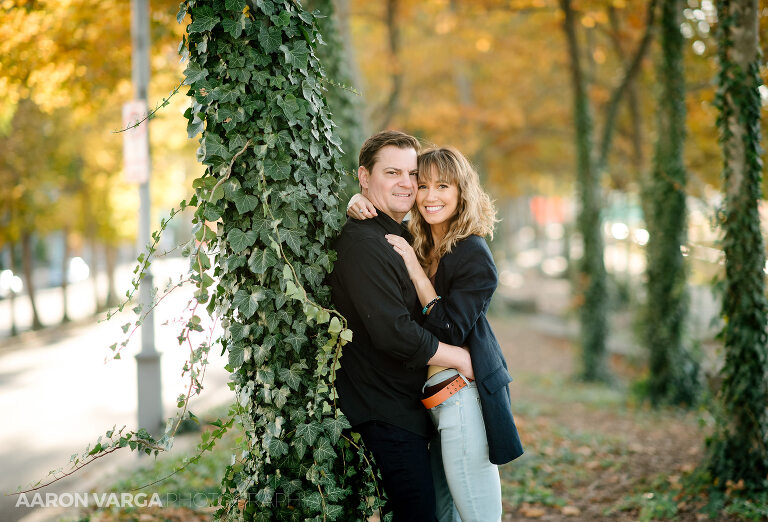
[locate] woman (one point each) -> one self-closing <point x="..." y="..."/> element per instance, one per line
<point x="454" y="275"/>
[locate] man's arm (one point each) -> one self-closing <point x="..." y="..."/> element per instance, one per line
<point x="369" y="278"/>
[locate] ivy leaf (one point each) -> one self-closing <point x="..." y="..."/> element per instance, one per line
<point x="313" y="502"/>
<point x="276" y="171"/>
<point x="214" y="147"/>
<point x="234" y="5"/>
<point x="194" y="73"/>
<point x="280" y="396"/>
<point x="237" y="142"/>
<point x="239" y="240"/>
<point x="293" y="239"/>
<point x="297" y="55"/>
<point x="182" y="13"/>
<point x="333" y="511"/>
<point x="264" y="495"/>
<point x="236" y="356"/>
<point x="195" y="126"/>
<point x="335" y="327"/>
<point x="291" y="376"/>
<point x="260" y="354"/>
<point x="233" y="27"/>
<point x="334" y="426"/>
<point x="239" y="331"/>
<point x="309" y="432"/>
<point x="323" y="451"/>
<point x="235" y="261"/>
<point x="277" y="448"/>
<point x="296" y="341"/>
<point x="244" y="202"/>
<point x="314" y="275"/>
<point x="203" y="22"/>
<point x="261" y="260"/>
<point x="270" y="39"/>
<point x="283" y="19"/>
<point x="247" y="302"/>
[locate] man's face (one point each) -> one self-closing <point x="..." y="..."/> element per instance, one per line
<point x="391" y="184"/>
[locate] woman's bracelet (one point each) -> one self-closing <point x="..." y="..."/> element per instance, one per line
<point x="429" y="305"/>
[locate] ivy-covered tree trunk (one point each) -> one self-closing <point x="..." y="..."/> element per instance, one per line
<point x="273" y="164"/>
<point x="346" y="107"/>
<point x="673" y="372"/>
<point x="739" y="447"/>
<point x="592" y="278"/>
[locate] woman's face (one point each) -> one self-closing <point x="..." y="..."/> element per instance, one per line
<point x="437" y="200"/>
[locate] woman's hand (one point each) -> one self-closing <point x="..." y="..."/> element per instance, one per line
<point x="466" y="368"/>
<point x="401" y="246"/>
<point x="359" y="207"/>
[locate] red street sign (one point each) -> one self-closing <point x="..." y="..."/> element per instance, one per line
<point x="135" y="142"/>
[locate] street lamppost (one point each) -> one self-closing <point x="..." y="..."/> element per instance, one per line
<point x="150" y="405"/>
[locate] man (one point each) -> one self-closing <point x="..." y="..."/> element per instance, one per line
<point x="383" y="368"/>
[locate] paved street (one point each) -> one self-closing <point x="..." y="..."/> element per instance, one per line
<point x="57" y="394"/>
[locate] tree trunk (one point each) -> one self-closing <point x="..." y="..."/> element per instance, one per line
<point x="391" y="106"/>
<point x="673" y="372"/>
<point x="110" y="258"/>
<point x="94" y="248"/>
<point x="65" y="276"/>
<point x="12" y="295"/>
<point x="630" y="73"/>
<point x="738" y="449"/>
<point x="592" y="279"/>
<point x="28" y="268"/>
<point x="282" y="161"/>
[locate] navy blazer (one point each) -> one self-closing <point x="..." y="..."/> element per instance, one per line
<point x="466" y="279"/>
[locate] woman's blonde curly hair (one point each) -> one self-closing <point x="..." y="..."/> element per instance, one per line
<point x="475" y="214"/>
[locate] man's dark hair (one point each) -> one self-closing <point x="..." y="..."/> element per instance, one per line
<point x="370" y="149"/>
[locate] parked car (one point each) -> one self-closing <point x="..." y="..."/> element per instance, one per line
<point x="9" y="282"/>
<point x="77" y="270"/>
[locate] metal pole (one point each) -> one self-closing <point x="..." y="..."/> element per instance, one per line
<point x="150" y="404"/>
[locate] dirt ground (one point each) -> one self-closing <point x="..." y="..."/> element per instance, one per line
<point x="592" y="453"/>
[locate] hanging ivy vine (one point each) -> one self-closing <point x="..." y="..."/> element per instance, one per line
<point x="267" y="210"/>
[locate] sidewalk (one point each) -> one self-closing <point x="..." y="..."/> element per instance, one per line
<point x="58" y="394"/>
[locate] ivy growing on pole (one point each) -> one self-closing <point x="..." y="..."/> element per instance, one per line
<point x="673" y="372"/>
<point x="267" y="212"/>
<point x="738" y="450"/>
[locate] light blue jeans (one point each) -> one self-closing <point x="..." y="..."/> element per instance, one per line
<point x="467" y="485"/>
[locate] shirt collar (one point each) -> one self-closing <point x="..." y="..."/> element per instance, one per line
<point x="391" y="226"/>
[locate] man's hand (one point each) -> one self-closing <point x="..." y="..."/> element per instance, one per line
<point x="359" y="207"/>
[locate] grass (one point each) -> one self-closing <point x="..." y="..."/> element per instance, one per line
<point x="593" y="452"/>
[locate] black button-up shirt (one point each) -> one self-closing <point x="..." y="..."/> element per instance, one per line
<point x="384" y="367"/>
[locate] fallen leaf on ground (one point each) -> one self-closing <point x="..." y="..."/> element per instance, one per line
<point x="532" y="511"/>
<point x="571" y="511"/>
